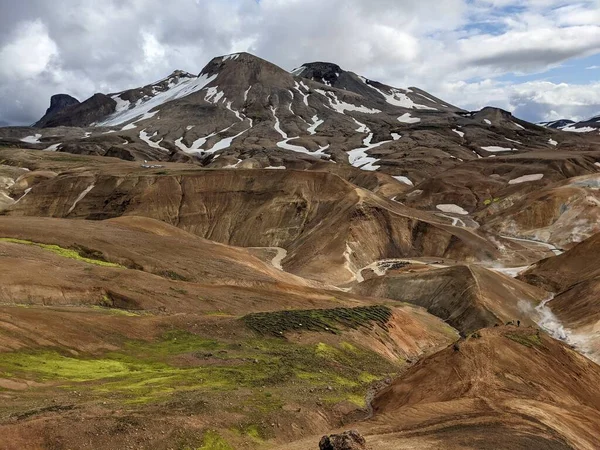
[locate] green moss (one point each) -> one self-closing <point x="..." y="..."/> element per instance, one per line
<point x="321" y="320"/>
<point x="64" y="252"/>
<point x="145" y="372"/>
<point x="213" y="441"/>
<point x="487" y="202"/>
<point x="528" y="340"/>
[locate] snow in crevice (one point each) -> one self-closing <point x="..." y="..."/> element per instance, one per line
<point x="277" y="125"/>
<point x="360" y="158"/>
<point x="299" y="149"/>
<point x="147" y="139"/>
<point x="460" y="133"/>
<point x="237" y="113"/>
<point x="362" y="128"/>
<point x="182" y="89"/>
<point x="316" y="123"/>
<point x="233" y="56"/>
<point x="298" y="86"/>
<point x="246" y="93"/>
<point x="81" y="196"/>
<point x="291" y="103"/>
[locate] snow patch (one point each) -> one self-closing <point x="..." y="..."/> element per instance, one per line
<point x="406" y="118"/>
<point x="275" y="167"/>
<point x="552" y="142"/>
<point x="403" y="179"/>
<point x="53" y="147"/>
<point x="493" y="149"/>
<point x="487" y="121"/>
<point x="35" y="139"/>
<point x="460" y="133"/>
<point x="396" y="136"/>
<point x="451" y="208"/>
<point x="526" y="178"/>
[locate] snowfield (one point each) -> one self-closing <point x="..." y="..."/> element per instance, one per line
<point x="127" y="111"/>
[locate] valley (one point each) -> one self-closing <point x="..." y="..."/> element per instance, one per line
<point x="252" y="258"/>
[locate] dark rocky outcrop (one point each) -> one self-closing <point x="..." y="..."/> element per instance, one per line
<point x="82" y="114"/>
<point x="58" y="103"/>
<point x="348" y="440"/>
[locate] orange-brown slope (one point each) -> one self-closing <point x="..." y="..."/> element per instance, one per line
<point x="501" y="390"/>
<point x="151" y="246"/>
<point x="318" y="217"/>
<point x="467" y="297"/>
<point x="575" y="277"/>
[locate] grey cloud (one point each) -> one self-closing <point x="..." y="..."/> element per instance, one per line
<point x="113" y="45"/>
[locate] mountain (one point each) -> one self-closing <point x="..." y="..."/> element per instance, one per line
<point x="244" y="110"/>
<point x="584" y="126"/>
<point x="253" y="258"/>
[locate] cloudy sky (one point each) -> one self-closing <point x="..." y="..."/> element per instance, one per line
<point x="537" y="58"/>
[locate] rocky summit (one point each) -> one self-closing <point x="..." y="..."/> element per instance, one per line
<point x="251" y="258"/>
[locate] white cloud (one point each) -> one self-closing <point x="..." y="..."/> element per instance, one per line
<point x="29" y="53"/>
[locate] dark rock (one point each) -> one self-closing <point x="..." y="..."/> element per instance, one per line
<point x="83" y="114"/>
<point x="58" y="103"/>
<point x="348" y="440"/>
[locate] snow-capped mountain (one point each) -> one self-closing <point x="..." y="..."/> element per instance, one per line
<point x="243" y="111"/>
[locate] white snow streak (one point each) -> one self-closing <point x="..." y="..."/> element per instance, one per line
<point x="85" y="192"/>
<point x="316" y="122"/>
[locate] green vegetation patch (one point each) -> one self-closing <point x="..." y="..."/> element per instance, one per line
<point x="181" y="362"/>
<point x="64" y="252"/>
<point x="528" y="340"/>
<point x="321" y="320"/>
<point x="213" y="441"/>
